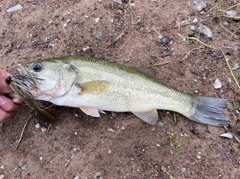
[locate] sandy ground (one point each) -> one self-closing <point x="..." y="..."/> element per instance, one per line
<point x="131" y="33"/>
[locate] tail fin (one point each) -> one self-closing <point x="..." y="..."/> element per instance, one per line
<point x="208" y="110"/>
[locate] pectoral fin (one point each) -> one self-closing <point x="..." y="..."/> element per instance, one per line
<point x="91" y="111"/>
<point x="93" y="87"/>
<point x="150" y="117"/>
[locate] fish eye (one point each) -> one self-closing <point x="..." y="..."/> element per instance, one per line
<point x="37" y="67"/>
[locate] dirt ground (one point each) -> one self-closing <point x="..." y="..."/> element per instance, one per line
<point x="134" y="33"/>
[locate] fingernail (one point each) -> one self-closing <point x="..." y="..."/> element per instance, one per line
<point x="2" y="100"/>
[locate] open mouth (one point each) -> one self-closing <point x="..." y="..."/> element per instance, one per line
<point x="24" y="81"/>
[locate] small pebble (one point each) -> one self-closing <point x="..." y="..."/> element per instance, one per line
<point x="227" y="135"/>
<point x="85" y="49"/>
<point x="199" y="157"/>
<point x="183" y="170"/>
<point x="41" y="158"/>
<point x="217" y="84"/>
<point x="15" y="8"/>
<point x="75" y="133"/>
<point x="43" y="129"/>
<point x="118" y="1"/>
<point x="21" y="165"/>
<point x="110" y="130"/>
<point x="160" y="125"/>
<point x="225" y="23"/>
<point x="110" y="151"/>
<point x="127" y="59"/>
<point x="123" y="128"/>
<point x="37" y="126"/>
<point x="97" y="20"/>
<point x="184" y="22"/>
<point x="76" y="177"/>
<point x="195" y="20"/>
<point x="235" y="67"/>
<point x="65" y="25"/>
<point x="112" y="20"/>
<point x="229" y="81"/>
<point x="232" y="13"/>
<point x="200" y="5"/>
<point x="192" y="27"/>
<point x="98" y="176"/>
<point x="204" y="30"/>
<point x="100" y="36"/>
<point x="1" y="176"/>
<point x="132" y="5"/>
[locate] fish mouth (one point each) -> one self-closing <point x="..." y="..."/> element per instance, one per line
<point x="25" y="81"/>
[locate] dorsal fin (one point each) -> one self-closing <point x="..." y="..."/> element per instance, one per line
<point x="148" y="71"/>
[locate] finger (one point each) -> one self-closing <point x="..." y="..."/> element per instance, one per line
<point x="4" y="115"/>
<point x="17" y="101"/>
<point x="6" y="104"/>
<point x="4" y="87"/>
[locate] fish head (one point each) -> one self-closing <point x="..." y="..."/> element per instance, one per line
<point x="49" y="79"/>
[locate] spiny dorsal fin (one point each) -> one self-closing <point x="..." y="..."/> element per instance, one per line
<point x="148" y="71"/>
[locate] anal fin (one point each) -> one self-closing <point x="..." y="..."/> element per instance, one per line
<point x="91" y="111"/>
<point x="150" y="117"/>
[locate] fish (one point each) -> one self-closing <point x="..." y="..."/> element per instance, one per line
<point x="96" y="85"/>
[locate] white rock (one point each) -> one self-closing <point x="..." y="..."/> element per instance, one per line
<point x="200" y="4"/>
<point x="235" y="67"/>
<point x="37" y="126"/>
<point x="199" y="157"/>
<point x="15" y="8"/>
<point x="43" y="129"/>
<point x="110" y="130"/>
<point x="202" y="29"/>
<point x="112" y="20"/>
<point x="195" y="20"/>
<point x="225" y="23"/>
<point x="1" y="176"/>
<point x="184" y="22"/>
<point x="97" y="20"/>
<point x="118" y="1"/>
<point x="227" y="135"/>
<point x="85" y="49"/>
<point x="217" y="84"/>
<point x="232" y="13"/>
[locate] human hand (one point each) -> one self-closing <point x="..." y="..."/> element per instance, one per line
<point x="7" y="106"/>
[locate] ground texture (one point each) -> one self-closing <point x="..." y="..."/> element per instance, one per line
<point x="139" y="33"/>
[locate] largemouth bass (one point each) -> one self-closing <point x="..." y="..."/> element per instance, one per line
<point x="95" y="86"/>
